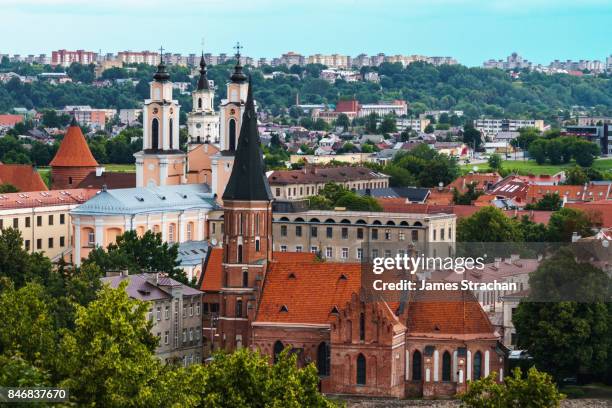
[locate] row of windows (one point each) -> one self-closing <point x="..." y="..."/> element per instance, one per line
<point x="39" y="221"/>
<point x="312" y="190"/>
<point x="347" y="221"/>
<point x="344" y="252"/>
<point x="39" y="243"/>
<point x="344" y="233"/>
<point x="188" y="310"/>
<point x="193" y="334"/>
<point x="417" y="366"/>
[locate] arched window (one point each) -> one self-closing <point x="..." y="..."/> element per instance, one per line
<point x="362" y="327"/>
<point x="171" y="233"/>
<point x="477" y="365"/>
<point x="189" y="231"/>
<point x="171" y="135"/>
<point x="361" y="370"/>
<point x="278" y="348"/>
<point x="239" y="253"/>
<point x="239" y="308"/>
<point x="323" y="359"/>
<point x="155" y="134"/>
<point x="199" y="103"/>
<point x="232" y="135"/>
<point x="417" y="366"/>
<point x="446" y="366"/>
<point x="245" y="279"/>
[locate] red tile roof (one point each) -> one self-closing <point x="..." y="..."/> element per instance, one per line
<point x="444" y="197"/>
<point x="73" y="151"/>
<point x="482" y="181"/>
<point x="45" y="198"/>
<point x="307" y="291"/>
<point x="313" y="174"/>
<point x="22" y="176"/>
<point x="447" y="313"/>
<point x="601" y="209"/>
<point x="10" y="120"/>
<point x="109" y="179"/>
<point x="213" y="271"/>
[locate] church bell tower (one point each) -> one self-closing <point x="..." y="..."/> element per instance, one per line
<point x="203" y="121"/>
<point x="161" y="162"/>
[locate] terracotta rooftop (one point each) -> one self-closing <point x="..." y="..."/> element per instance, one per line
<point x="306" y="293"/>
<point x="455" y="314"/>
<point x="589" y="192"/>
<point x="22" y="176"/>
<point x="312" y="174"/>
<point x="45" y="198"/>
<point x="109" y="179"/>
<point x="10" y="120"/>
<point x="482" y="181"/>
<point x="601" y="209"/>
<point x="73" y="151"/>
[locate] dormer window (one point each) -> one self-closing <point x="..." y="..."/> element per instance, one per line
<point x="284" y="309"/>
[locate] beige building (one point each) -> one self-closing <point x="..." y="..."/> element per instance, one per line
<point x="175" y="313"/>
<point x="299" y="184"/>
<point x="43" y="218"/>
<point x="349" y="158"/>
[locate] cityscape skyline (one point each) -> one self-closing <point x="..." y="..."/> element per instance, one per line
<point x="434" y="27"/>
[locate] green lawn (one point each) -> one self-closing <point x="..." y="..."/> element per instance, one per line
<point x="122" y="168"/>
<point x="531" y="166"/>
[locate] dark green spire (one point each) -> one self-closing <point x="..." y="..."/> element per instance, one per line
<point x="248" y="181"/>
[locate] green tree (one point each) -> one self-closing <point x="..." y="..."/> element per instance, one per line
<point x="429" y="128"/>
<point x="139" y="254"/>
<point x="576" y="176"/>
<point x="371" y="124"/>
<point x="468" y="197"/>
<point x="554" y="151"/>
<point x="343" y="121"/>
<point x="565" y="222"/>
<point x="108" y="359"/>
<point x="388" y="125"/>
<point x="489" y="224"/>
<point x="565" y="322"/>
<point x="495" y="162"/>
<point x="585" y="152"/>
<point x="537" y="150"/>
<point x="52" y="119"/>
<point x="537" y="390"/>
<point x="549" y="202"/>
<point x="472" y="136"/>
<point x="8" y="188"/>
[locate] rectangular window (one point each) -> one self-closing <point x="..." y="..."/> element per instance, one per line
<point x="50" y="219"/>
<point x="298" y="230"/>
<point x="344" y="233"/>
<point x="298" y="248"/>
<point x="184" y="310"/>
<point x="329" y="252"/>
<point x="15" y="222"/>
<point x="345" y="253"/>
<point x="375" y="253"/>
<point x="27" y="222"/>
<point x="91" y="239"/>
<point x="314" y="231"/>
<point x="166" y="337"/>
<point x="278" y="193"/>
<point x="359" y="253"/>
<point x="27" y="244"/>
<point x="50" y="243"/>
<point x="62" y="219"/>
<point x="39" y="243"/>
<point x="167" y="312"/>
<point x="283" y="230"/>
<point x="387" y="253"/>
<point x="401" y="236"/>
<point x="214" y="227"/>
<point x="450" y="233"/>
<point x="314" y="249"/>
<point x="184" y="335"/>
<point x="190" y="334"/>
<point x="374" y="234"/>
<point x="415" y="236"/>
<point x="330" y="232"/>
<point x="359" y="233"/>
<point x="434" y="235"/>
<point x="191" y="309"/>
<point x="62" y="241"/>
<point x="158" y="313"/>
<point x="283" y="248"/>
<point x="39" y="221"/>
<point x="197" y="309"/>
<point x="387" y="234"/>
<point x="442" y="234"/>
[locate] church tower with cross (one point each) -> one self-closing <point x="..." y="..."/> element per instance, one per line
<point x="161" y="162"/>
<point x="231" y="112"/>
<point x="203" y="121"/>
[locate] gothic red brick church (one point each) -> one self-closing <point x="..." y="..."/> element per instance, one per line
<point x="429" y="344"/>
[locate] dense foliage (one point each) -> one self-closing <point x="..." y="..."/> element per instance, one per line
<point x="334" y="195"/>
<point x="476" y="91"/>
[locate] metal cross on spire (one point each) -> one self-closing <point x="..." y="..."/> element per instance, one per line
<point x="161" y="54"/>
<point x="238" y="47"/>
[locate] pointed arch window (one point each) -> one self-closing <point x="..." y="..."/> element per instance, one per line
<point x="278" y="348"/>
<point x="446" y="366"/>
<point x="240" y="253"/>
<point x="323" y="359"/>
<point x="361" y="370"/>
<point x="477" y="365"/>
<point x="362" y="326"/>
<point x="417" y="366"/>
<point x="155" y="134"/>
<point x="232" y="135"/>
<point x="199" y="103"/>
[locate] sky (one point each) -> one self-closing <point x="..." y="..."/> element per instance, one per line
<point x="471" y="31"/>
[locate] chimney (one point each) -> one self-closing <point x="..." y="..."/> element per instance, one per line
<point x="99" y="171"/>
<point x="497" y="262"/>
<point x="575" y="237"/>
<point x="124" y="273"/>
<point x="514" y="257"/>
